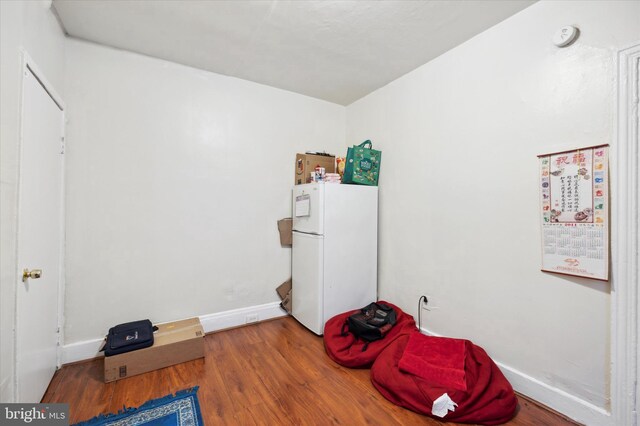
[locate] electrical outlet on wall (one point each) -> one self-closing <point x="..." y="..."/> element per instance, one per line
<point x="426" y="303"/>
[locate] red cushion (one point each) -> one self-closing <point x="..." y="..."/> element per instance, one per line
<point x="435" y="359"/>
<point x="489" y="398"/>
<point x="347" y="351"/>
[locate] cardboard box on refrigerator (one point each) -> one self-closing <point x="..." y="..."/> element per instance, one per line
<point x="173" y="343"/>
<point x="306" y="163"/>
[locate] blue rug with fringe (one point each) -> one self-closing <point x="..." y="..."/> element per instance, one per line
<point x="181" y="409"/>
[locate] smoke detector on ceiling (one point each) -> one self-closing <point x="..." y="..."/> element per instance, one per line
<point x="565" y="36"/>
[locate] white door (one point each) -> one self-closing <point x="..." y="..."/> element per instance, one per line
<point x="307" y="279"/>
<point x="39" y="240"/>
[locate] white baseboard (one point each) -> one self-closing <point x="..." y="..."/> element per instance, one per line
<point x="89" y="349"/>
<point x="81" y="351"/>
<point x="241" y="316"/>
<point x="561" y="401"/>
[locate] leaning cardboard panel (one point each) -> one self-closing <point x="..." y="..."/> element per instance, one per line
<point x="174" y="342"/>
<point x="284" y="228"/>
<point x="284" y="291"/>
<point x="284" y="288"/>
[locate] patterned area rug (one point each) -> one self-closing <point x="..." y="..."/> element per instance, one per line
<point x="181" y="409"/>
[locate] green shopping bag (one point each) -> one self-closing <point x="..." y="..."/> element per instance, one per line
<point x="362" y="164"/>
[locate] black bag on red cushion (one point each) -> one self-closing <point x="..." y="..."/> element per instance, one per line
<point x="371" y="323"/>
<point x="347" y="350"/>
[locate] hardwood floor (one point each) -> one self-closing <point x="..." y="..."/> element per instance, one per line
<point x="270" y="373"/>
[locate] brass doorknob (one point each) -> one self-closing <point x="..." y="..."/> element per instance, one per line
<point x="35" y="274"/>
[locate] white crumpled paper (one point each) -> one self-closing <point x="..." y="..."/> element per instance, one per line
<point x="443" y="405"/>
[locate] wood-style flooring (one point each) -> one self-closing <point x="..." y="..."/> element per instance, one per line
<point x="271" y="373"/>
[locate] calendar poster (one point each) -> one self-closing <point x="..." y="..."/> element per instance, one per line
<point x="574" y="211"/>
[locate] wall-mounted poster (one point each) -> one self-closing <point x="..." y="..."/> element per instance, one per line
<point x="574" y="203"/>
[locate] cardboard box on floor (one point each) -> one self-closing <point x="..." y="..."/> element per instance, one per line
<point x="284" y="291"/>
<point x="173" y="343"/>
<point x="306" y="163"/>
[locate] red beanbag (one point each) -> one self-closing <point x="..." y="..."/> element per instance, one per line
<point x="488" y="398"/>
<point x="347" y="351"/>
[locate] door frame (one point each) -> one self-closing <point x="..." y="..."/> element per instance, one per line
<point x="29" y="65"/>
<point x="625" y="226"/>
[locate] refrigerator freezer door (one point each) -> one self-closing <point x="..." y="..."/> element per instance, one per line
<point x="307" y="263"/>
<point x="308" y="208"/>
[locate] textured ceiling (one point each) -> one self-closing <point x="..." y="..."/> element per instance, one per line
<point x="338" y="51"/>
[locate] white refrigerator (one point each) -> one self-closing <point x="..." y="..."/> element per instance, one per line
<point x="334" y="264"/>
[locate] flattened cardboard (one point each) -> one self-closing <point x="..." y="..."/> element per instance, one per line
<point x="286" y="303"/>
<point x="284" y="291"/>
<point x="306" y="163"/>
<point x="284" y="288"/>
<point x="173" y="343"/>
<point x="284" y="227"/>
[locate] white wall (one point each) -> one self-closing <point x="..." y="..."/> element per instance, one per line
<point x="32" y="26"/>
<point x="175" y="180"/>
<point x="176" y="177"/>
<point x="459" y="191"/>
